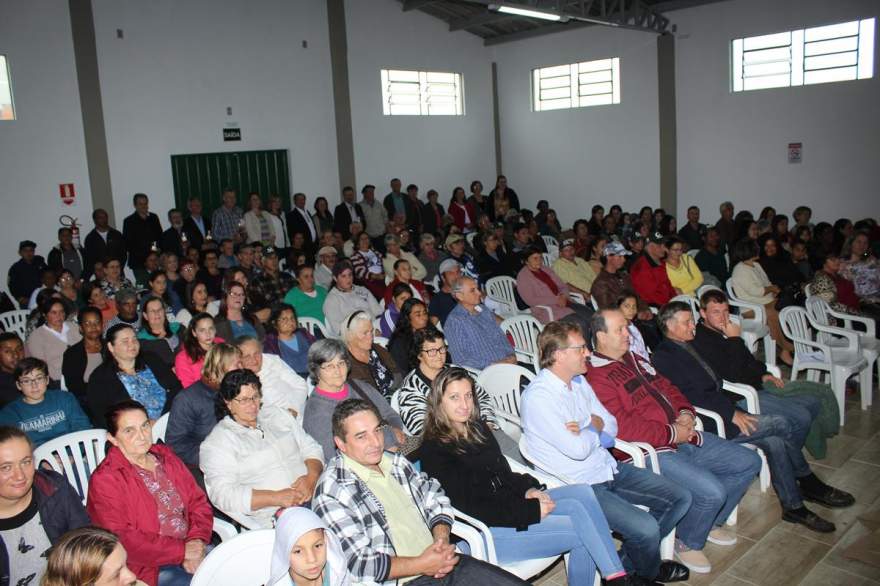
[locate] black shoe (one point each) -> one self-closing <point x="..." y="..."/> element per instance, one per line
<point x="671" y="571"/>
<point x="810" y="520"/>
<point x="828" y="496"/>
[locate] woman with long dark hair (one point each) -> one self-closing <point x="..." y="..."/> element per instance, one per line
<point x="157" y="333"/>
<point x="233" y="318"/>
<point x="200" y="336"/>
<point x="322" y="217"/>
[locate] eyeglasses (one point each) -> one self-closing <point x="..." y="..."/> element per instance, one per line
<point x="255" y="400"/>
<point x="237" y="295"/>
<point x="338" y="365"/>
<point x="285" y="318"/>
<point x="33" y="382"/>
<point x="581" y="348"/>
<point x="434" y="352"/>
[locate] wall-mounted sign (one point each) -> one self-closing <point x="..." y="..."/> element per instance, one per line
<point x="67" y="192"/>
<point x="231" y="134"/>
<point x="794" y="152"/>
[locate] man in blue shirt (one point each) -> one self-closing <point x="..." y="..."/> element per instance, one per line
<point x="472" y="331"/>
<point x="567" y="430"/>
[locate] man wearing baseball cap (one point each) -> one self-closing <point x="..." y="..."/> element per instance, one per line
<point x="573" y="270"/>
<point x="24" y="275"/>
<point x="455" y="244"/>
<point x="442" y="303"/>
<point x="324" y="267"/>
<point x="272" y="284"/>
<point x="649" y="273"/>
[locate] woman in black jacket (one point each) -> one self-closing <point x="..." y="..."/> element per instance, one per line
<point x="526" y="520"/>
<point x="84" y="357"/>
<point x="129" y="373"/>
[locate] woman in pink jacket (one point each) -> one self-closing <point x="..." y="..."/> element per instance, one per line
<point x="547" y="295"/>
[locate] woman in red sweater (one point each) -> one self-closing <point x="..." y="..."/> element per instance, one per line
<point x="463" y="213"/>
<point x="144" y="493"/>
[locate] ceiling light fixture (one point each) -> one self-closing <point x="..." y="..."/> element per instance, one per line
<point x="507" y="9"/>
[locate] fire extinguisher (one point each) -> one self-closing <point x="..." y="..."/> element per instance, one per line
<point x="69" y="222"/>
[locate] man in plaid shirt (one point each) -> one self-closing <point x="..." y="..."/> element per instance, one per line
<point x="393" y="523"/>
<point x="272" y="284"/>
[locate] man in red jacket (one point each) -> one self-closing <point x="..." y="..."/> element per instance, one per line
<point x="650" y="409"/>
<point x="649" y="273"/>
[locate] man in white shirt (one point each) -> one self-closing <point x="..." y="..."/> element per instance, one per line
<point x="568" y="431"/>
<point x="282" y="387"/>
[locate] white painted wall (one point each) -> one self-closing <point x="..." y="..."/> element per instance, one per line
<point x="579" y="157"/>
<point x="432" y="152"/>
<point x="45" y="145"/>
<point x="734" y="146"/>
<point x="167" y="83"/>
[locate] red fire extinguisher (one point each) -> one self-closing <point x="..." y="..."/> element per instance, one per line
<point x="69" y="222"/>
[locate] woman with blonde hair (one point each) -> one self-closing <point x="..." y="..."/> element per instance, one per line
<point x="193" y="414"/>
<point x="89" y="555"/>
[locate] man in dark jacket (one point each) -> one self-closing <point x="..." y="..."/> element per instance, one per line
<point x="11" y="351"/>
<point x="196" y="227"/>
<point x="346" y="213"/>
<point x="781" y="438"/>
<point x="141" y="230"/>
<point x="397" y="202"/>
<point x="26" y="274"/>
<point x="175" y="239"/>
<point x="65" y="255"/>
<point x="103" y="242"/>
<point x="37" y="507"/>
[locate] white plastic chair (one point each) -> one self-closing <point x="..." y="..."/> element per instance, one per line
<point x="753" y="329"/>
<point x="550" y="241"/>
<point x="504" y="384"/>
<point x="313" y="326"/>
<point x="547" y="259"/>
<point x="524" y="329"/>
<point x="159" y="428"/>
<point x="577" y="298"/>
<point x="821" y="313"/>
<point x="380" y="341"/>
<point x="691" y="302"/>
<point x="75" y="455"/>
<point x="224" y="529"/>
<point x="15" y="321"/>
<point x="500" y="289"/>
<point x="243" y="560"/>
<point x="470" y="238"/>
<point x="813" y="355"/>
<point x="693" y="252"/>
<point x="704" y="288"/>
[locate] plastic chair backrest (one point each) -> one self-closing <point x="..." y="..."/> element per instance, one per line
<point x="243" y="560"/>
<point x="547" y="259"/>
<point x="550" y="241"/>
<point x="381" y="341"/>
<point x="504" y="384"/>
<point x="159" y="428"/>
<point x="817" y="309"/>
<point x="524" y="329"/>
<point x="502" y="288"/>
<point x="692" y="303"/>
<point x="693" y="252"/>
<point x="75" y="455"/>
<point x="704" y="288"/>
<point x="313" y="326"/>
<point x="15" y="322"/>
<point x="796" y="325"/>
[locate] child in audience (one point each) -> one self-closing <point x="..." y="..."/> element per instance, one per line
<point x="41" y="413"/>
<point x="306" y="553"/>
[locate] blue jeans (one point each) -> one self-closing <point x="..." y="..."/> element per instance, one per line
<point x="783" y="426"/>
<point x="174" y="576"/>
<point x="717" y="475"/>
<point x="641" y="531"/>
<point x="576" y="525"/>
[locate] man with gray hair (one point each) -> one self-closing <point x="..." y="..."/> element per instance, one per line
<point x="472" y="331"/>
<point x="442" y="303"/>
<point x="127" y="307"/>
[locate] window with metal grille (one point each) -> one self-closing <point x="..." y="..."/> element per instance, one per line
<point x="589" y="83"/>
<point x="823" y="54"/>
<point x="421" y="93"/>
<point x="7" y="111"/>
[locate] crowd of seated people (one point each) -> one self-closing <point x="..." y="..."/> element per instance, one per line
<point x="275" y="420"/>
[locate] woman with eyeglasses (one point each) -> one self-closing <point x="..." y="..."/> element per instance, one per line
<point x="233" y="318"/>
<point x="428" y="358"/>
<point x="41" y="413"/>
<point x="329" y="367"/>
<point x="144" y="493"/>
<point x="199" y="337"/>
<point x="81" y="359"/>
<point x="681" y="268"/>
<point x="257" y="461"/>
<point x="526" y="520"/>
<point x="129" y="373"/>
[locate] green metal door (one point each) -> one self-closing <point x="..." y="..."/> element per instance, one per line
<point x="205" y="176"/>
